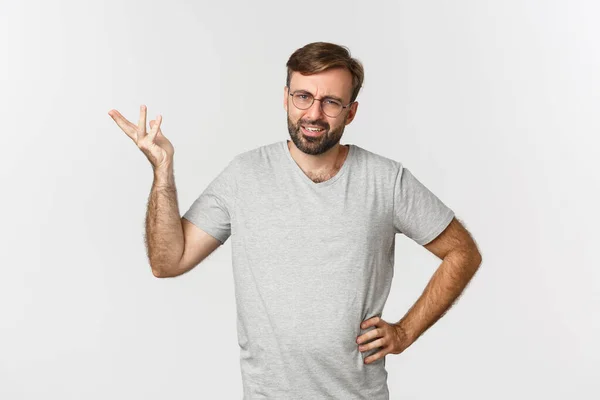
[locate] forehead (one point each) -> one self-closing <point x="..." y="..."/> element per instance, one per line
<point x="335" y="81"/>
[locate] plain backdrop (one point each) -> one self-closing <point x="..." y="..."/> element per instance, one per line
<point x="493" y="105"/>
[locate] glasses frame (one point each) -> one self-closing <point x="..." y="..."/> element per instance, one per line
<point x="321" y="104"/>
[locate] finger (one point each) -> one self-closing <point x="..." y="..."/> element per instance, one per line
<point x="142" y="122"/>
<point x="371" y="345"/>
<point x="375" y="357"/>
<point x="155" y="128"/>
<point x="372" y="334"/>
<point x="369" y="322"/>
<point x="126" y="126"/>
<point x="160" y="133"/>
<point x="152" y="122"/>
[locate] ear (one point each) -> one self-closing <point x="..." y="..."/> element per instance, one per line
<point x="352" y="112"/>
<point x="285" y="97"/>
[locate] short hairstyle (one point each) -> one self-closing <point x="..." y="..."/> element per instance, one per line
<point x="320" y="56"/>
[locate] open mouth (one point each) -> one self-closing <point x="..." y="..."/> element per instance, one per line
<point x="312" y="131"/>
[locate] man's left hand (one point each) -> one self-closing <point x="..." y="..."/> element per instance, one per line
<point x="391" y="338"/>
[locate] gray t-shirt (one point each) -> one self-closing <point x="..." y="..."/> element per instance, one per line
<point x="311" y="261"/>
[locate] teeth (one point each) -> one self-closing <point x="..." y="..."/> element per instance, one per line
<point x="313" y="129"/>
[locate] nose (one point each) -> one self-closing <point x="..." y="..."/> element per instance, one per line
<point x="315" y="112"/>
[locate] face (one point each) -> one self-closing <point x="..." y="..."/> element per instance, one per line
<point x="334" y="82"/>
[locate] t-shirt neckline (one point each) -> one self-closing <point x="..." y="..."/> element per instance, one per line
<point x="328" y="182"/>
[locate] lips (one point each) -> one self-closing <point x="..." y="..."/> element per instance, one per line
<point x="312" y="133"/>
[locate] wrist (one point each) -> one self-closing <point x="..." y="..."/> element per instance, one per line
<point x="404" y="331"/>
<point x="163" y="175"/>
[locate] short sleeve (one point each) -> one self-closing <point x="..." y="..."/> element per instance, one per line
<point x="212" y="210"/>
<point x="418" y="213"/>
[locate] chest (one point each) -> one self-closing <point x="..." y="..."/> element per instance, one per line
<point x="315" y="226"/>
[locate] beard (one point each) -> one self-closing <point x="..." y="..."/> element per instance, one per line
<point x="314" y="145"/>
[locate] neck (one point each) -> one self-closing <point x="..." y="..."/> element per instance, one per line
<point x="331" y="160"/>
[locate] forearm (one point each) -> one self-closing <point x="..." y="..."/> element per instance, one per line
<point x="164" y="232"/>
<point x="445" y="286"/>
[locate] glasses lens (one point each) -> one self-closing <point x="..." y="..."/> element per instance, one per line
<point x="332" y="107"/>
<point x="302" y="100"/>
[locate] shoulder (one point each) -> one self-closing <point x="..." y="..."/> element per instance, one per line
<point x="259" y="155"/>
<point x="257" y="161"/>
<point x="376" y="164"/>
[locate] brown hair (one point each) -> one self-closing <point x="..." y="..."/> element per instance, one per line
<point x="320" y="56"/>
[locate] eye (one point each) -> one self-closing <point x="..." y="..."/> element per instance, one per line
<point x="333" y="102"/>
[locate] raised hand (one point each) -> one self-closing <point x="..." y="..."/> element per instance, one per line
<point x="157" y="148"/>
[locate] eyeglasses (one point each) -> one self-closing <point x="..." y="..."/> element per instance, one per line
<point x="330" y="107"/>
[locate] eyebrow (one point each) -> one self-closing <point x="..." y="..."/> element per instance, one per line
<point x="324" y="97"/>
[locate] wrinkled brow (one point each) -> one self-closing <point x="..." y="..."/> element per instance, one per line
<point x="324" y="97"/>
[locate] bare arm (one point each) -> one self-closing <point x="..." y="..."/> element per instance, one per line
<point x="174" y="245"/>
<point x="461" y="259"/>
<point x="164" y="231"/>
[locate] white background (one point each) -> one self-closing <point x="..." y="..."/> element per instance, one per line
<point x="493" y="105"/>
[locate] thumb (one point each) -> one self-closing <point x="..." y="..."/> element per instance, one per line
<point x="152" y="123"/>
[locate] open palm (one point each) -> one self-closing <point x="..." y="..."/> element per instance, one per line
<point x="157" y="148"/>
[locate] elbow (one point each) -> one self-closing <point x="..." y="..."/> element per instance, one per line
<point x="161" y="272"/>
<point x="158" y="273"/>
<point x="473" y="256"/>
<point x="476" y="257"/>
<point x="168" y="269"/>
<point x="470" y="259"/>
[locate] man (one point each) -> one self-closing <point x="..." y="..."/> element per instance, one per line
<point x="313" y="227"/>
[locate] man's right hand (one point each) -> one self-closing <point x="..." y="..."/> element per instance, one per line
<point x="157" y="148"/>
